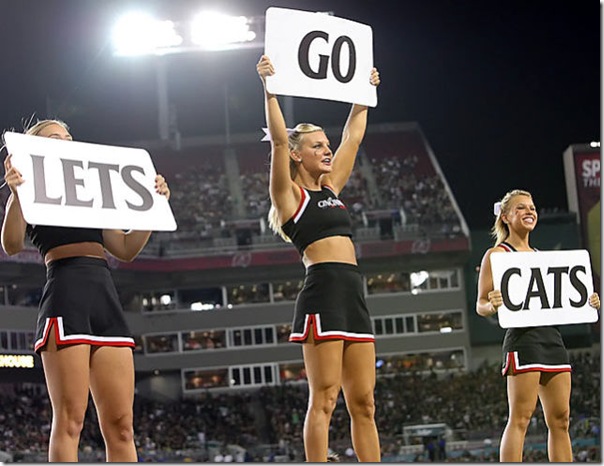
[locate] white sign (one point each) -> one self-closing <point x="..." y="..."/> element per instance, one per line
<point x="78" y="184"/>
<point x="543" y="288"/>
<point x="319" y="56"/>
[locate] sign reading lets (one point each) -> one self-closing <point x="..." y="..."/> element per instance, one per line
<point x="78" y="184"/>
<point x="543" y="288"/>
<point x="319" y="56"/>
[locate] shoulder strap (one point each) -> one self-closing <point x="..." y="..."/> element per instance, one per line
<point x="333" y="191"/>
<point x="507" y="246"/>
<point x="304" y="200"/>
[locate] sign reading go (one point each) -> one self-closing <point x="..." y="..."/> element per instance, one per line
<point x="320" y="56"/>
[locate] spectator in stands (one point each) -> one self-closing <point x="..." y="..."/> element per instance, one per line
<point x="165" y="430"/>
<point x="331" y="317"/>
<point x="536" y="361"/>
<point x="82" y="335"/>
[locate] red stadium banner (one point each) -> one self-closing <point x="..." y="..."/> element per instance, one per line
<point x="280" y="256"/>
<point x="264" y="257"/>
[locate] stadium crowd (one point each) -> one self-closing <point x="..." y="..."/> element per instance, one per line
<point x="266" y="424"/>
<point x="205" y="204"/>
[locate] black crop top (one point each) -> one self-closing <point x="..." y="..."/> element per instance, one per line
<point x="46" y="237"/>
<point x="320" y="215"/>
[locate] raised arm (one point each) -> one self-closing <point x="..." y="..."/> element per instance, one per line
<point x="125" y="246"/>
<point x="352" y="136"/>
<point x="281" y="187"/>
<point x="14" y="225"/>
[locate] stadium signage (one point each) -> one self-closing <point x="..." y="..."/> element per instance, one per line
<point x="78" y="184"/>
<point x="543" y="288"/>
<point x="19" y="361"/>
<point x="319" y="56"/>
<point x="590" y="172"/>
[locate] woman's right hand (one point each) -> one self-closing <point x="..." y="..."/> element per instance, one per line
<point x="12" y="176"/>
<point x="495" y="300"/>
<point x="265" y="68"/>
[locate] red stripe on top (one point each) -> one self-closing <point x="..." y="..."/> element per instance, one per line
<point x="330" y="188"/>
<point x="302" y="199"/>
<point x="506" y="247"/>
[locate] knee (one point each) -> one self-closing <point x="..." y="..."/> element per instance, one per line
<point x="124" y="431"/>
<point x="324" y="400"/>
<point x="361" y="405"/>
<point x="70" y="421"/>
<point x="520" y="418"/>
<point x="73" y="426"/>
<point x="559" y="420"/>
<point x="118" y="428"/>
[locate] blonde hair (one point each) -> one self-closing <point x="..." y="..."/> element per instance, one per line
<point x="500" y="230"/>
<point x="37" y="128"/>
<point x="294" y="143"/>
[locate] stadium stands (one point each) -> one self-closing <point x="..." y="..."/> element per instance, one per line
<point x="266" y="423"/>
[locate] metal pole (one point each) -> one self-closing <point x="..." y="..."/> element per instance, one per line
<point x="289" y="111"/>
<point x="163" y="114"/>
<point x="227" y="120"/>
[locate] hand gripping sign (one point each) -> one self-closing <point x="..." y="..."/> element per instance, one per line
<point x="78" y="184"/>
<point x="319" y="56"/>
<point x="543" y="288"/>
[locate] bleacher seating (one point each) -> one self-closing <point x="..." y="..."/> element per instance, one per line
<point x="394" y="172"/>
<point x="268" y="422"/>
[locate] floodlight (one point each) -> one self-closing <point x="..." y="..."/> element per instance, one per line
<point x="139" y="33"/>
<point x="217" y="31"/>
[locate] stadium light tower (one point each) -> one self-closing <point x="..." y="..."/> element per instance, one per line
<point x="138" y="33"/>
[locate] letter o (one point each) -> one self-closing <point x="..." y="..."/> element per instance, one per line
<point x="336" y="54"/>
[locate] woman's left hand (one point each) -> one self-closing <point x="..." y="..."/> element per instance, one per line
<point x="375" y="77"/>
<point x="161" y="186"/>
<point x="594" y="301"/>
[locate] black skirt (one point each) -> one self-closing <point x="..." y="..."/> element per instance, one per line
<point x="332" y="304"/>
<point x="81" y="305"/>
<point x="534" y="349"/>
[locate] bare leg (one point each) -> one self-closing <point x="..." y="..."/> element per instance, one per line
<point x="67" y="378"/>
<point x="323" y="363"/>
<point x="554" y="393"/>
<point x="112" y="385"/>
<point x="522" y="399"/>
<point x="358" y="383"/>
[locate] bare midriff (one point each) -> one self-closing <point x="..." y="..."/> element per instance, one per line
<point x="331" y="249"/>
<point x="85" y="249"/>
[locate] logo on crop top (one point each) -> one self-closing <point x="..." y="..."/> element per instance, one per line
<point x="330" y="203"/>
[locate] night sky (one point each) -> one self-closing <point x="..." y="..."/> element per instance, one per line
<point x="500" y="89"/>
